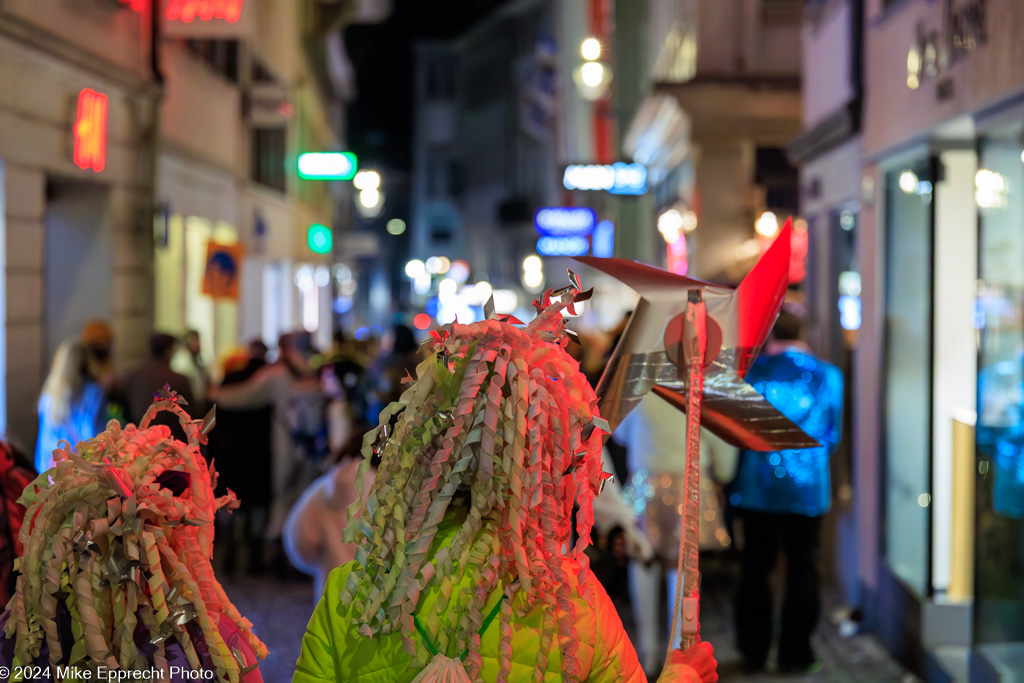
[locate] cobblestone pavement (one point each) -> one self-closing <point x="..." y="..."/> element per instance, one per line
<point x="280" y="611"/>
<point x="854" y="659"/>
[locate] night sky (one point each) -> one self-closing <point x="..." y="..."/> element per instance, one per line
<point x="380" y="118"/>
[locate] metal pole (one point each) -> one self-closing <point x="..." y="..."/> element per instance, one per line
<point x="687" y="604"/>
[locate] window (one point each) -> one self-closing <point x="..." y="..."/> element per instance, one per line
<point x="999" y="601"/>
<point x="268" y="152"/>
<point x="908" y="374"/>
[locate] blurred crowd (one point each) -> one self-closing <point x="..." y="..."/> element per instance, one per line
<point x="290" y="422"/>
<point x="289" y="443"/>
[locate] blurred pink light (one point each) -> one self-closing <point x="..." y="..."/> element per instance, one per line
<point x="675" y="256"/>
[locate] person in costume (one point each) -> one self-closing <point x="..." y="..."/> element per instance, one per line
<point x="781" y="497"/>
<point x="314" y="530"/>
<point x="465" y="568"/>
<point x="73" y="405"/>
<point x="116" y="572"/>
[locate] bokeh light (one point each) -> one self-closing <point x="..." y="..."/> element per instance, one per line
<point x="366" y="180"/>
<point x="592" y="74"/>
<point x="415" y="268"/>
<point x="767" y="224"/>
<point x="590" y="49"/>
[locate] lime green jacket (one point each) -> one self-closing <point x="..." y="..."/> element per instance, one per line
<point x="333" y="651"/>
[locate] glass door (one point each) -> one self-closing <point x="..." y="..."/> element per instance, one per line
<point x="999" y="541"/>
<point x="908" y="373"/>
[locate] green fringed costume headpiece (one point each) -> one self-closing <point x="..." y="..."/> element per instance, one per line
<point x="120" y="532"/>
<point x="501" y="423"/>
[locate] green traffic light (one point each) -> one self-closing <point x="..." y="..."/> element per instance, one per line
<point x="327" y="165"/>
<point x="319" y="239"/>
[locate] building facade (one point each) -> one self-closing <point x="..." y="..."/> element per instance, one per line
<point x="77" y="243"/>
<point x="242" y="100"/>
<point x="132" y="140"/>
<point x="485" y="155"/>
<point x="721" y="101"/>
<point x="828" y="153"/>
<point x="938" y="364"/>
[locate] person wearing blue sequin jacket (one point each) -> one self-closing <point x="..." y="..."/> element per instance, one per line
<point x="780" y="497"/>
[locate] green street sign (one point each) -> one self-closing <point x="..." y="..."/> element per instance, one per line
<point x="319" y="239"/>
<point x="327" y="165"/>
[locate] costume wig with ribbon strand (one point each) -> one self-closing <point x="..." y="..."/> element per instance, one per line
<point x="501" y="423"/>
<point x="118" y="538"/>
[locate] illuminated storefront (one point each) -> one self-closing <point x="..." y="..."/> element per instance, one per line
<point x="938" y="385"/>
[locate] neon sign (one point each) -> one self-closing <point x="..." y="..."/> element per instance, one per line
<point x="602" y="243"/>
<point x="572" y="245"/>
<point x="91" y="131"/>
<point x="327" y="165"/>
<point x="319" y="239"/>
<point x="617" y="178"/>
<point x="563" y="221"/>
<point x="204" y="10"/>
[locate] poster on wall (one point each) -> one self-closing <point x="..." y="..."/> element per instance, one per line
<point x="223" y="270"/>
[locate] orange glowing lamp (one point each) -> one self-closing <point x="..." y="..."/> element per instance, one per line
<point x="91" y="131"/>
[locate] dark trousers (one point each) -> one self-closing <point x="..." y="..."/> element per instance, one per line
<point x="800" y="540"/>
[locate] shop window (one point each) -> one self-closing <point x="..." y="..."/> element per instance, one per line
<point x="908" y="374"/>
<point x="268" y="152"/>
<point x="999" y="541"/>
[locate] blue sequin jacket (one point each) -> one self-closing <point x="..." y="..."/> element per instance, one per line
<point x="810" y="393"/>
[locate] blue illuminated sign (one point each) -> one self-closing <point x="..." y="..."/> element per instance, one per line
<point x="603" y="240"/>
<point x="617" y="178"/>
<point x="565" y="221"/>
<point x="571" y="245"/>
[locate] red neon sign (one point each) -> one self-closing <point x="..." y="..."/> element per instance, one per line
<point x="91" y="130"/>
<point x="204" y="10"/>
<point x="135" y="5"/>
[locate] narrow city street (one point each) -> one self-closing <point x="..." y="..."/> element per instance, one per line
<point x="401" y="268"/>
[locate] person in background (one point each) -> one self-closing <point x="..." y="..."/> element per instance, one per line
<point x="349" y="366"/>
<point x="391" y="367"/>
<point x="16" y="473"/>
<point x="612" y="569"/>
<point x="313" y="532"/>
<point x="71" y="405"/>
<point x="97" y="340"/>
<point x="781" y="496"/>
<point x="137" y="388"/>
<point x="291" y="389"/>
<point x="188" y="361"/>
<point x="240" y="449"/>
<point x="257" y="354"/>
